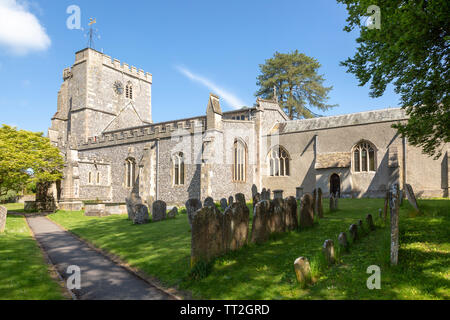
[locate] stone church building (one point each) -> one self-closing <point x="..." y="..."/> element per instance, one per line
<point x="104" y="128"/>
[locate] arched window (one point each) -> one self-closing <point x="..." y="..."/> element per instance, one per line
<point x="130" y="168"/>
<point x="239" y="161"/>
<point x="178" y="169"/>
<point x="363" y="157"/>
<point x="90" y="178"/>
<point x="279" y="162"/>
<point x="129" y="91"/>
<point x="98" y="177"/>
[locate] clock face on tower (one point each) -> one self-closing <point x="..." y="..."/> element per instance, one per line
<point x="118" y="87"/>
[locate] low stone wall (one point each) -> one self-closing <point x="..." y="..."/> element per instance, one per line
<point x="28" y="197"/>
<point x="3" y="214"/>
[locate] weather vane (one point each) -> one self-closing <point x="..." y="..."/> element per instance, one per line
<point x="92" y="33"/>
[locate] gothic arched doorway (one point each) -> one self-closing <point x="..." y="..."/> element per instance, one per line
<point x="335" y="185"/>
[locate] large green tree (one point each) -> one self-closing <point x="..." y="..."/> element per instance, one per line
<point x="297" y="82"/>
<point x="411" y="51"/>
<point x="26" y="157"/>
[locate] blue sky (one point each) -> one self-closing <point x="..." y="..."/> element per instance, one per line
<point x="190" y="47"/>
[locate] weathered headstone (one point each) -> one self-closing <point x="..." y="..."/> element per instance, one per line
<point x="223" y="203"/>
<point x="209" y="202"/>
<point x="264" y="194"/>
<point x="269" y="194"/>
<point x="141" y="215"/>
<point x="302" y="270"/>
<point x="278" y="194"/>
<point x="230" y="200"/>
<point x="254" y="190"/>
<point x="298" y="193"/>
<point x="192" y="205"/>
<point x="411" y="197"/>
<point x="277" y="218"/>
<point x="207" y="235"/>
<point x="306" y="212"/>
<point x="332" y="203"/>
<point x="394" y="204"/>
<point x="260" y="225"/>
<point x="353" y="230"/>
<point x="328" y="251"/>
<point x="3" y="214"/>
<point x="240" y="198"/>
<point x="343" y="242"/>
<point x="131" y="202"/>
<point x="159" y="211"/>
<point x="173" y="213"/>
<point x="256" y="199"/>
<point x="235" y="226"/>
<point x="319" y="203"/>
<point x="369" y="221"/>
<point x="291" y="216"/>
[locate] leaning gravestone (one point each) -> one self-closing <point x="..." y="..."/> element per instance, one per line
<point x="223" y="203"/>
<point x="260" y="225"/>
<point x="159" y="211"/>
<point x="235" y="226"/>
<point x="343" y="242"/>
<point x="209" y="202"/>
<point x="277" y="218"/>
<point x="353" y="230"/>
<point x="240" y="198"/>
<point x="207" y="235"/>
<point x="141" y="215"/>
<point x="192" y="205"/>
<point x="172" y="213"/>
<point x="302" y="270"/>
<point x="369" y="220"/>
<point x="3" y="214"/>
<point x="306" y="212"/>
<point x="291" y="216"/>
<point x="328" y="251"/>
<point x="319" y="203"/>
<point x="411" y="197"/>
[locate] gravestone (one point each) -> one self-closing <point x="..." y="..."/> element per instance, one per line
<point x="277" y="218"/>
<point x="3" y="214"/>
<point x="207" y="235"/>
<point x="343" y="242"/>
<point x="302" y="270"/>
<point x="209" y="202"/>
<point x="328" y="251"/>
<point x="319" y="203"/>
<point x="132" y="202"/>
<point x="159" y="211"/>
<point x="314" y="203"/>
<point x="336" y="202"/>
<point x="254" y="190"/>
<point x="260" y="225"/>
<point x="369" y="221"/>
<point x="256" y="199"/>
<point x="172" y="213"/>
<point x="291" y="216"/>
<point x="269" y="194"/>
<point x="141" y="215"/>
<point x="240" y="198"/>
<point x="353" y="230"/>
<point x="264" y="194"/>
<point x="235" y="226"/>
<point x="192" y="205"/>
<point x="306" y="212"/>
<point x="332" y="203"/>
<point x="223" y="203"/>
<point x="411" y="197"/>
<point x="394" y="204"/>
<point x="298" y="193"/>
<point x="230" y="200"/>
<point x="278" y="194"/>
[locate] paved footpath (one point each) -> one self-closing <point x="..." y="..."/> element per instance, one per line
<point x="101" y="279"/>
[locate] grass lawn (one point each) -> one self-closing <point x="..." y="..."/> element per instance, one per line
<point x="24" y="275"/>
<point x="266" y="271"/>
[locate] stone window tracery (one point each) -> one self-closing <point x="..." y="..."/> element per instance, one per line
<point x="279" y="162"/>
<point x="364" y="157"/>
<point x="239" y="161"/>
<point x="178" y="169"/>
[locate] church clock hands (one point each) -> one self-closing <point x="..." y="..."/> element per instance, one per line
<point x="118" y="87"/>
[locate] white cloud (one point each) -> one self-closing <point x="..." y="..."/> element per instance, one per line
<point x="229" y="97"/>
<point x="20" y="30"/>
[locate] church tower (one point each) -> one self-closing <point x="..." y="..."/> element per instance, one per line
<point x="99" y="94"/>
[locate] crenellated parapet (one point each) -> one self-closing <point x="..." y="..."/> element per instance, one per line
<point x="125" y="68"/>
<point x="145" y="133"/>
